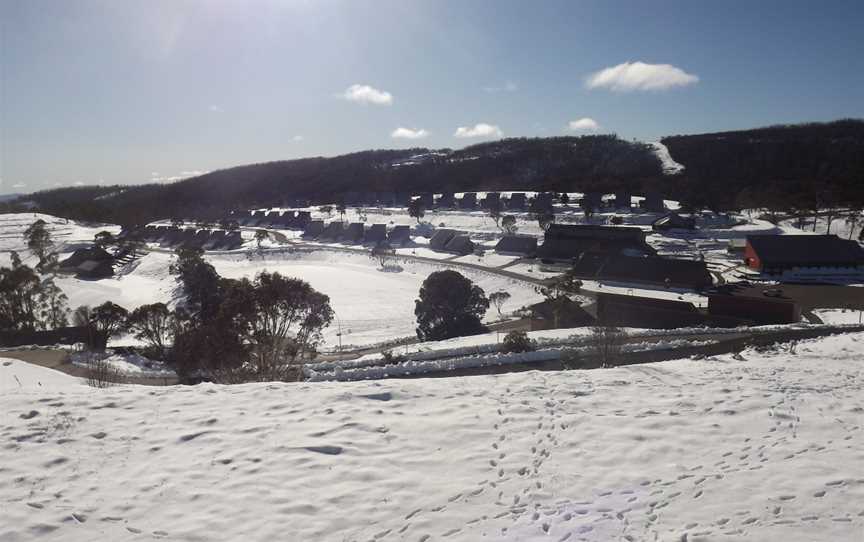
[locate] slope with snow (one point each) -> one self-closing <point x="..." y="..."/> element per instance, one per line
<point x="763" y="446"/>
<point x="67" y="235"/>
<point x="670" y="166"/>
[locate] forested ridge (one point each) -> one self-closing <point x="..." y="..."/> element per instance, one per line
<point x="783" y="166"/>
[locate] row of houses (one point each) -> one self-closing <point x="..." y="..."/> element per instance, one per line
<point x="444" y="240"/>
<point x="174" y="237"/>
<point x="724" y="309"/>
<point x="357" y="233"/>
<point x="610" y="254"/>
<point x="296" y="220"/>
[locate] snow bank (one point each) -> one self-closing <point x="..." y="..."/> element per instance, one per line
<point x="765" y="447"/>
<point x="21" y="377"/>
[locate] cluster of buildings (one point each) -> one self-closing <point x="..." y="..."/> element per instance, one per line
<point x="175" y="237"/>
<point x="357" y="233"/>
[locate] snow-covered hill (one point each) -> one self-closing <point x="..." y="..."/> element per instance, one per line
<point x="67" y="235"/>
<point x="764" y="447"/>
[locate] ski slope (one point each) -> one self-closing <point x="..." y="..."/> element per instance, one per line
<point x="766" y="446"/>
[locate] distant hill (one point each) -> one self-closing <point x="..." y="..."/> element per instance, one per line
<point x="798" y="166"/>
<point x="557" y="163"/>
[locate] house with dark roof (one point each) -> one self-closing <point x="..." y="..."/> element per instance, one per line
<point x="332" y="232"/>
<point x="353" y="233"/>
<point x="674" y="221"/>
<point x="565" y="242"/>
<point x="669" y="272"/>
<point x="653" y="270"/>
<point x="646" y="312"/>
<point x="543" y="201"/>
<point x="446" y="201"/>
<point x="492" y="198"/>
<point x="70" y="264"/>
<point x="517" y="245"/>
<point x="592" y="201"/>
<point x="517" y="201"/>
<point x="233" y="240"/>
<point x="376" y="233"/>
<point x="313" y="229"/>
<point x="775" y="254"/>
<point x="468" y="201"/>
<point x="440" y="239"/>
<point x="200" y="239"/>
<point x="558" y="314"/>
<point x="623" y="199"/>
<point x="653" y="202"/>
<point x="399" y="236"/>
<point x="426" y="199"/>
<point x="401" y="199"/>
<point x="217" y="237"/>
<point x="95" y="269"/>
<point x="301" y="218"/>
<point x="460" y="244"/>
<point x="726" y="302"/>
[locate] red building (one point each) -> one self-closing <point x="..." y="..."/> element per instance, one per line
<point x="774" y="254"/>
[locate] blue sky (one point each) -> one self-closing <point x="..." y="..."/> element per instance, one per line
<point x="129" y="92"/>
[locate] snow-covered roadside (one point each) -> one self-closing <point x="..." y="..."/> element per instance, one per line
<point x="417" y="365"/>
<point x="765" y="447"/>
<point x="125" y="364"/>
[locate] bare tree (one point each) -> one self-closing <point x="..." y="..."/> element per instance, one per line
<point x="260" y="237"/>
<point x="384" y="254"/>
<point x="495" y="208"/>
<point x="508" y="224"/>
<point x="607" y="343"/>
<point x="416" y="209"/>
<point x="498" y="299"/>
<point x="153" y="324"/>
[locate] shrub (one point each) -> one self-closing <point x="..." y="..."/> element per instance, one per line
<point x="100" y="373"/>
<point x="518" y="341"/>
<point x="392" y="359"/>
<point x="607" y="343"/>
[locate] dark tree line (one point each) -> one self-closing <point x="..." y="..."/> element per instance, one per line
<point x="561" y="163"/>
<point x="794" y="167"/>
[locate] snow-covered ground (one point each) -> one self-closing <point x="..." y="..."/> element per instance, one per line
<point x="125" y="364"/>
<point x="371" y="305"/>
<point x="765" y="446"/>
<point x="841" y="226"/>
<point x="67" y="235"/>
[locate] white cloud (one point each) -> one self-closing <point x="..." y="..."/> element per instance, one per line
<point x="584" y="124"/>
<point x="193" y="173"/>
<point x="297" y="138"/>
<point x="631" y="76"/>
<point x="78" y="183"/>
<point x="364" y="94"/>
<point x="479" y="130"/>
<point x="509" y="86"/>
<point x="409" y="133"/>
<point x="215" y="109"/>
<point x="19" y="185"/>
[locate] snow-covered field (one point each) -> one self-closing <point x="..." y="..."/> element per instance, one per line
<point x="371" y="305"/>
<point x="768" y="446"/>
